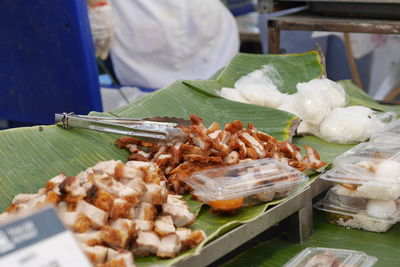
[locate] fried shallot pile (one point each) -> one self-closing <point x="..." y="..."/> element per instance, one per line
<point x="117" y="211"/>
<point x="215" y="147"/>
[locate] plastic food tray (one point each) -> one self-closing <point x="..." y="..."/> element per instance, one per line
<point x="253" y="182"/>
<point x="346" y="257"/>
<point x="353" y="212"/>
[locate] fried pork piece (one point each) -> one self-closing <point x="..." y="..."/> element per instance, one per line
<point x="195" y="238"/>
<point x="89" y="238"/>
<point x="147" y="243"/>
<point x="232" y="158"/>
<point x="170" y="246"/>
<point x="23" y="198"/>
<point x="155" y="194"/>
<point x="150" y="169"/>
<point x="117" y="189"/>
<point x="183" y="234"/>
<point x="71" y="190"/>
<point x="143" y="225"/>
<point x="106" y="168"/>
<point x="313" y="158"/>
<point x="179" y="211"/>
<point x="126" y="173"/>
<point x="54" y="182"/>
<point x="97" y="216"/>
<point x="96" y="254"/>
<point x="125" y="225"/>
<point x="164" y="225"/>
<point x="121" y="209"/>
<point x="100" y="198"/>
<point x="122" y="259"/>
<point x="145" y="211"/>
<point x="76" y="221"/>
<point x="27" y="202"/>
<point x="114" y="238"/>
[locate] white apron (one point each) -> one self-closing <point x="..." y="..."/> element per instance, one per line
<point x="160" y="41"/>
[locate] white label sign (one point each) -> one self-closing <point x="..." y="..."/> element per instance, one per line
<point x="39" y="240"/>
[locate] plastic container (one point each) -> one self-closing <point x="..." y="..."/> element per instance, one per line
<point x="245" y="184"/>
<point x="359" y="213"/>
<point x="310" y="257"/>
<point x="368" y="170"/>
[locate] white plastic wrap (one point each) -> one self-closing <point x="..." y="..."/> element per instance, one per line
<point x="348" y="125"/>
<point x="260" y="88"/>
<point x="232" y="94"/>
<point x="317" y="98"/>
<point x="359" y="213"/>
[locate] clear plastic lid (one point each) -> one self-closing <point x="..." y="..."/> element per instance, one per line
<point x="378" y="210"/>
<point x="317" y="256"/>
<point x="245" y="179"/>
<point x="375" y="162"/>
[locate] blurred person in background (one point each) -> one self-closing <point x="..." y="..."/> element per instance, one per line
<point x="153" y="43"/>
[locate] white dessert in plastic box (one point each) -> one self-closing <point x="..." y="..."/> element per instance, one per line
<point x="245" y="184"/>
<point x="331" y="257"/>
<point x="368" y="170"/>
<point x="360" y="213"/>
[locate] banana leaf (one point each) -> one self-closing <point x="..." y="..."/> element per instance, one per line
<point x="276" y="252"/>
<point x="31" y="156"/>
<point x="293" y="68"/>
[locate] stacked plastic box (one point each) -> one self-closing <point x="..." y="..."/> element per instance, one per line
<point x="367" y="177"/>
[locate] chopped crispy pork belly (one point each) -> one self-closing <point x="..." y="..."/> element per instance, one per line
<point x="97" y="216"/>
<point x="123" y="259"/>
<point x="71" y="190"/>
<point x="179" y="211"/>
<point x="96" y="254"/>
<point x="23" y="198"/>
<point x="37" y="200"/>
<point x="126" y="173"/>
<point x="184" y="234"/>
<point x="232" y="158"/>
<point x="170" y="246"/>
<point x="195" y="238"/>
<point x="100" y="198"/>
<point x="125" y="225"/>
<point x="121" y="209"/>
<point x="155" y="194"/>
<point x="90" y="238"/>
<point x="77" y="221"/>
<point x="147" y="243"/>
<point x="143" y="225"/>
<point x="53" y="182"/>
<point x="114" y="238"/>
<point x="164" y="225"/>
<point x="106" y="167"/>
<point x="114" y="208"/>
<point x="150" y="169"/>
<point x="117" y="189"/>
<point x="145" y="211"/>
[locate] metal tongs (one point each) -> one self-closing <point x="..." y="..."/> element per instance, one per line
<point x="159" y="129"/>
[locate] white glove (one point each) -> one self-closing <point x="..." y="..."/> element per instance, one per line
<point x="102" y="26"/>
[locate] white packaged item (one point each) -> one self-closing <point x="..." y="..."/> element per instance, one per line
<point x="359" y="213"/>
<point x="368" y="170"/>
